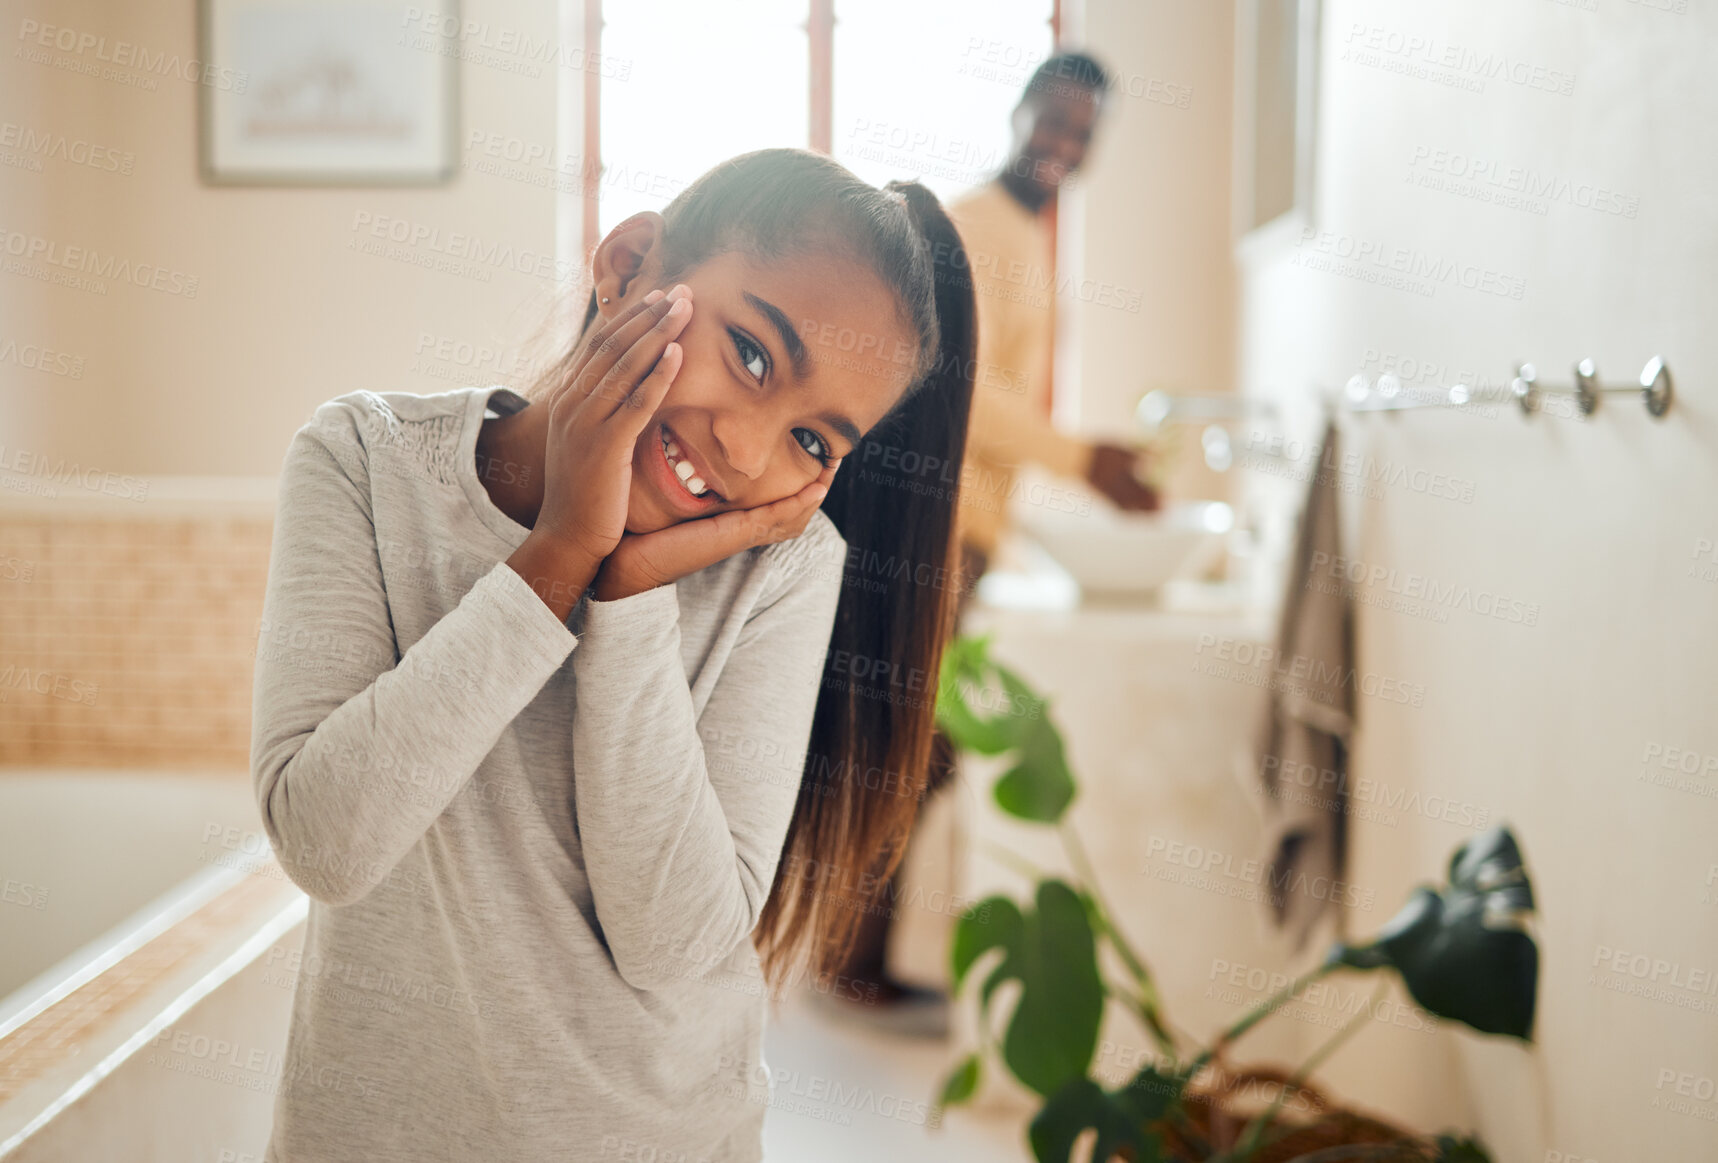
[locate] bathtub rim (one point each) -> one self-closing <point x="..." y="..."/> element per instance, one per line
<point x="262" y="918"/>
<point x="108" y="948"/>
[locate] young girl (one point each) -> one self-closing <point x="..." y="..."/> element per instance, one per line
<point x="590" y="717"/>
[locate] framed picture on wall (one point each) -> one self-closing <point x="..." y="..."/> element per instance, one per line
<point x="1276" y="118"/>
<point x="328" y="92"/>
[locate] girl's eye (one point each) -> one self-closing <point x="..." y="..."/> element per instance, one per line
<point x="748" y="351"/>
<point x="821" y="451"/>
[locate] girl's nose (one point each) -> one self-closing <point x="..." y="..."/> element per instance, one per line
<point x="743" y="443"/>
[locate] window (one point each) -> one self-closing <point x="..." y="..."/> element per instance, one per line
<point x="704" y="83"/>
<point x="932" y="103"/>
<point x="917" y="89"/>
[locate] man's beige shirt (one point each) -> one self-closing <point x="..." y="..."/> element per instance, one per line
<point x="1011" y="255"/>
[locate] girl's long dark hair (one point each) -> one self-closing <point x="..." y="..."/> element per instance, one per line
<point x="868" y="763"/>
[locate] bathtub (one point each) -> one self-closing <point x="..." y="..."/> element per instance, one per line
<point x="139" y="913"/>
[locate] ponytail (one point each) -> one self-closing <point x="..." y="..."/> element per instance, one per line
<point x="868" y="765"/>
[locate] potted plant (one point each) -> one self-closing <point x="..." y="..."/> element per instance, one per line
<point x="1462" y="951"/>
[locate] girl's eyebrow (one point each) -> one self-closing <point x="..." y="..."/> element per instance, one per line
<point x="842" y="425"/>
<point x="789" y="337"/>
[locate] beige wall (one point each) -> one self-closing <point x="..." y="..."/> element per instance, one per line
<point x="1597" y="524"/>
<point x="1149" y="224"/>
<point x="285" y="315"/>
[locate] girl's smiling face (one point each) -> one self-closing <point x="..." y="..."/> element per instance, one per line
<point x="785" y="367"/>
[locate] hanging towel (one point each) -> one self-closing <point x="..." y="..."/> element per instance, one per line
<point x="1300" y="747"/>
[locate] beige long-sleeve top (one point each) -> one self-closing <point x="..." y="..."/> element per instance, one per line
<point x="1011" y="255"/>
<point x="535" y="851"/>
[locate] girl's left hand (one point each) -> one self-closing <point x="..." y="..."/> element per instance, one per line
<point x="643" y="561"/>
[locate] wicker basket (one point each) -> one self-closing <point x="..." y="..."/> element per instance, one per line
<point x="1310" y="1129"/>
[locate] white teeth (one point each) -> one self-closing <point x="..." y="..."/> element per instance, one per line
<point x="694" y="483"/>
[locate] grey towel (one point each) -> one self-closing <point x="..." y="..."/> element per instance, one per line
<point x="1300" y="748"/>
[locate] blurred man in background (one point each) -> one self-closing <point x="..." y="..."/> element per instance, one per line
<point x="1008" y="234"/>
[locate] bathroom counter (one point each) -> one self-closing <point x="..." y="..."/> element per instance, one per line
<point x="1155" y="702"/>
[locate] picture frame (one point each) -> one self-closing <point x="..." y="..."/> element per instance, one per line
<point x="1276" y="121"/>
<point x="328" y="92"/>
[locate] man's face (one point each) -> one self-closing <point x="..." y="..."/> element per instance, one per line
<point x="1053" y="128"/>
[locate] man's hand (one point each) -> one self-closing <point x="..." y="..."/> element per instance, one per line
<point x="643" y="561"/>
<point x="1112" y="471"/>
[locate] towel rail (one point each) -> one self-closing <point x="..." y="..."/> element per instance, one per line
<point x="1386" y="393"/>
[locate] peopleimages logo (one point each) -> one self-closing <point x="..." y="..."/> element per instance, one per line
<point x="1209" y="868"/>
<point x="1413" y="270"/>
<point x="1488" y="179"/>
<point x="70" y="473"/>
<point x="1421" y="587"/>
<point x="58" y="147"/>
<point x="35" y="357"/>
<point x="528" y="48"/>
<point x="1353" y="471"/>
<point x="1242" y="660"/>
<point x="472" y="250"/>
<point x="123" y="54"/>
<point x="47" y="682"/>
<point x="83" y="260"/>
<point x="1427" y="58"/>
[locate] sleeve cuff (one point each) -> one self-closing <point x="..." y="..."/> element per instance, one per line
<point x="650" y="609"/>
<point x="513" y="596"/>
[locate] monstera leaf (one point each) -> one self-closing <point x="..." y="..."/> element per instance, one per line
<point x="964" y="661"/>
<point x="1050" y="950"/>
<point x="1465" y="953"/>
<point x="1120" y="1117"/>
<point x="1038" y="787"/>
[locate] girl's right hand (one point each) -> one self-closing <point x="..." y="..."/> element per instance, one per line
<point x="595" y="418"/>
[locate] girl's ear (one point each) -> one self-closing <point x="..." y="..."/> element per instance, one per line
<point x="625" y="263"/>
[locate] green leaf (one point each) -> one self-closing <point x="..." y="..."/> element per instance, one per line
<point x="1022" y="699"/>
<point x="1080" y="1103"/>
<point x="1039" y="787"/>
<point x="1463" y="1150"/>
<point x="1151" y="1095"/>
<point x="1465" y="953"/>
<point x="966" y="730"/>
<point x="966" y="664"/>
<point x="1491" y="863"/>
<point x="994" y="922"/>
<point x="1050" y="950"/>
<point x="1000" y="974"/>
<point x="1053" y="1031"/>
<point x="962" y="1082"/>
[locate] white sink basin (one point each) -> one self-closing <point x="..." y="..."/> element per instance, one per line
<point x="1111" y="552"/>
